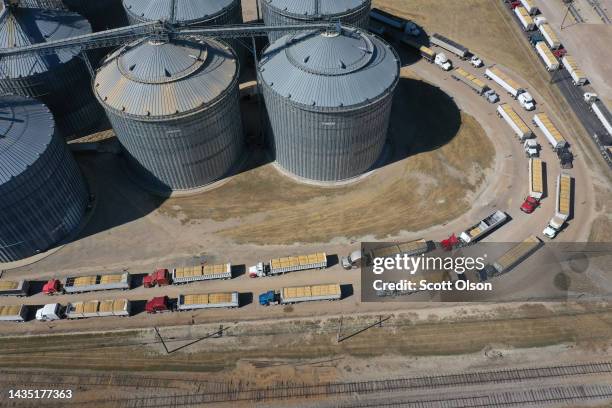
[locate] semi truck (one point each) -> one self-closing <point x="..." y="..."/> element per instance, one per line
<point x="443" y="62"/>
<point x="300" y="294"/>
<point x="449" y="45"/>
<point x="427" y="53"/>
<point x="484" y="227"/>
<point x="470" y="80"/>
<point x="552" y="134"/>
<point x="530" y="6"/>
<point x="197" y="273"/>
<point x="578" y="76"/>
<point x="208" y="301"/>
<point x="98" y="308"/>
<point x="512" y="258"/>
<point x="15" y="313"/>
<point x="278" y="266"/>
<point x="563" y="206"/>
<point x="14" y="288"/>
<point x="518" y="125"/>
<point x="536" y="178"/>
<point x="524" y="18"/>
<point x="81" y="284"/>
<point x="353" y="260"/>
<point x="511" y="86"/>
<point x="398" y="23"/>
<point x="549" y="36"/>
<point x="600" y="110"/>
<point x="551" y="62"/>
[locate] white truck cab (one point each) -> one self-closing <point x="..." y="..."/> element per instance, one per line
<point x="526" y="101"/>
<point x="49" y="312"/>
<point x="532" y="148"/>
<point x="553" y="228"/>
<point x="443" y="62"/>
<point x="258" y="271"/>
<point x="476" y="62"/>
<point x="590" y="97"/>
<point x="352" y="261"/>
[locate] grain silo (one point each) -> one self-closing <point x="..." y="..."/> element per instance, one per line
<point x="175" y="109"/>
<point x="328" y="97"/>
<point x="60" y="80"/>
<point x="43" y="195"/>
<point x="287" y="12"/>
<point x="191" y="13"/>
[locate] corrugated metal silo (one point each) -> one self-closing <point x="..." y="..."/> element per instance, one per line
<point x="328" y="97"/>
<point x="60" y="80"/>
<point x="189" y="12"/>
<point x="286" y="12"/>
<point x="42" y="192"/>
<point x="175" y="109"/>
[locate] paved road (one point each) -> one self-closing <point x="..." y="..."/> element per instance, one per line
<point x="573" y="94"/>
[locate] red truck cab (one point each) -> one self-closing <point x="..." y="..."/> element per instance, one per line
<point x="161" y="277"/>
<point x="529" y="205"/>
<point x="157" y="305"/>
<point x="52" y="287"/>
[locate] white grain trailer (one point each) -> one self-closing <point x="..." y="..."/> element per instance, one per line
<point x="208" y="301"/>
<point x="449" y="45"/>
<point x="512" y="258"/>
<point x="489" y="224"/>
<point x="550" y="61"/>
<point x="470" y="80"/>
<point x="14" y="288"/>
<point x="530" y="6"/>
<point x="524" y="18"/>
<point x="97" y="308"/>
<point x="278" y="266"/>
<point x="503" y="80"/>
<point x="188" y="274"/>
<point x="97" y="282"/>
<point x="518" y="125"/>
<point x="15" y="313"/>
<point x="550" y="36"/>
<point x="536" y="178"/>
<point x="310" y="293"/>
<point x="552" y="134"/>
<point x="578" y="76"/>
<point x="603" y="114"/>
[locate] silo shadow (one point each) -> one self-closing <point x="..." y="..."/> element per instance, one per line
<point x="423" y="118"/>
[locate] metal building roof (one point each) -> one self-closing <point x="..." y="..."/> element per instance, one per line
<point x="26" y="130"/>
<point x="330" y="69"/>
<point x="308" y="8"/>
<point x="159" y="79"/>
<point x="184" y="11"/>
<point x="21" y="27"/>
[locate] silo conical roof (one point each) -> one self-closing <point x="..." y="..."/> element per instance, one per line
<point x="309" y="9"/>
<point x="160" y="79"/>
<point x="184" y="11"/>
<point x="330" y="69"/>
<point x="20" y="27"/>
<point x="26" y="130"/>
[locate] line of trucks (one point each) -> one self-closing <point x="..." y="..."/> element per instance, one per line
<point x="190" y="302"/>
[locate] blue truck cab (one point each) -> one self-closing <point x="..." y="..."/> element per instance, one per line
<point x="268" y="298"/>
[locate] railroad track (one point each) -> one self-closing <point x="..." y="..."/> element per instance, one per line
<point x="520" y="398"/>
<point x="218" y="393"/>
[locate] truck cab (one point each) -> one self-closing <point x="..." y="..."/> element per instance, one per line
<point x="553" y="228"/>
<point x="352" y="261"/>
<point x="530" y="204"/>
<point x="412" y="29"/>
<point x="258" y="271"/>
<point x="50" y="312"/>
<point x="526" y="101"/>
<point x="158" y="304"/>
<point x="443" y="62"/>
<point x="476" y="62"/>
<point x="532" y="148"/>
<point x="590" y="97"/>
<point x="269" y="298"/>
<point x="52" y="287"/>
<point x="161" y="277"/>
<point x="491" y="96"/>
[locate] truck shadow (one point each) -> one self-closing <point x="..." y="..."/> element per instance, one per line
<point x="238" y="270"/>
<point x="346" y="291"/>
<point x="332" y="260"/>
<point x="245" y="299"/>
<point x="138" y="306"/>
